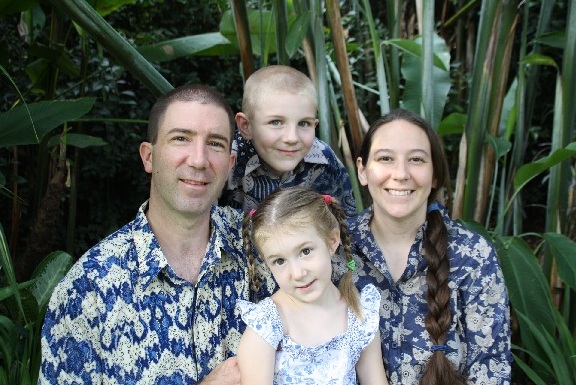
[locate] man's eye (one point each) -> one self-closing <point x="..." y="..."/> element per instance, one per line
<point x="216" y="144"/>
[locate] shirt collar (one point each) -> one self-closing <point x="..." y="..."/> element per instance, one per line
<point x="225" y="237"/>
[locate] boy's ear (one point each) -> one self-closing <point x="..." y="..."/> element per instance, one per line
<point x="243" y="125"/>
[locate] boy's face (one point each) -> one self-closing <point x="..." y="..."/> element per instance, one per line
<point x="282" y="129"/>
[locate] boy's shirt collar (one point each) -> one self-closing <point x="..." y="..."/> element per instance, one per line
<point x="248" y="161"/>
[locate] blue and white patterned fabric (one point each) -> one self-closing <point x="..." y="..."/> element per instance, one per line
<point x="478" y="341"/>
<point x="122" y="316"/>
<point x="332" y="362"/>
<point x="249" y="183"/>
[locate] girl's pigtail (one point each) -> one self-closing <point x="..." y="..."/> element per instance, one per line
<point x="346" y="286"/>
<point x="248" y="248"/>
<point x="439" y="369"/>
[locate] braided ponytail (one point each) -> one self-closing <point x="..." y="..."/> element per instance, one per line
<point x="439" y="370"/>
<point x="346" y="286"/>
<point x="248" y="249"/>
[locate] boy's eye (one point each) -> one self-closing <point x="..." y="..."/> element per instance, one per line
<point x="275" y="122"/>
<point x="304" y="124"/>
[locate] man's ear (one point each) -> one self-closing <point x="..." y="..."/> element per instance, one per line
<point x="361" y="172"/>
<point x="146" y="156"/>
<point x="243" y="124"/>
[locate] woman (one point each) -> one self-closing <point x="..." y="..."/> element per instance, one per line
<point x="444" y="316"/>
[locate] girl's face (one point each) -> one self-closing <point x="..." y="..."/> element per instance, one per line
<point x="399" y="172"/>
<point x="301" y="261"/>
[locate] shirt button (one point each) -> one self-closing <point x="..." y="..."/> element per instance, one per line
<point x="394" y="345"/>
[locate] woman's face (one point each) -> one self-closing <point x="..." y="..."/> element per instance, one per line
<point x="399" y="171"/>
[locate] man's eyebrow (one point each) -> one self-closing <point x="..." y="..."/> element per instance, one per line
<point x="194" y="133"/>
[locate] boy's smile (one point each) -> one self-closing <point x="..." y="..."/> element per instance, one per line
<point x="282" y="129"/>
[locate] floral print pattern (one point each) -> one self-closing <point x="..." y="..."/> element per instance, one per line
<point x="249" y="182"/>
<point x="478" y="341"/>
<point x="122" y="316"/>
<point x="332" y="362"/>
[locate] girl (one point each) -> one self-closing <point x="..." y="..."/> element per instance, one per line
<point x="309" y="331"/>
<point x="445" y="317"/>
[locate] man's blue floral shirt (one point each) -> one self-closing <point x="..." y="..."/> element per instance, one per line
<point x="122" y="316"/>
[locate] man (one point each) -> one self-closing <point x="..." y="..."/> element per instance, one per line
<point x="153" y="303"/>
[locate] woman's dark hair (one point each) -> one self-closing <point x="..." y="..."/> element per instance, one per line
<point x="438" y="370"/>
<point x="293" y="208"/>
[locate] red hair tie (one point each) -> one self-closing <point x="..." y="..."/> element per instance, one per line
<point x="327" y="198"/>
<point x="251" y="212"/>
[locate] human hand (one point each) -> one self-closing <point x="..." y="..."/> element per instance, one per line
<point x="226" y="373"/>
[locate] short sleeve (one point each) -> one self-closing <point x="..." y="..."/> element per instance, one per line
<point x="263" y="318"/>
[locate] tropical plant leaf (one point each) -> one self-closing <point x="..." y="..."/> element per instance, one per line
<point x="206" y="44"/>
<point x="47" y="275"/>
<point x="530" y="170"/>
<point x="556" y="39"/>
<point x="531" y="373"/>
<point x="455" y="123"/>
<point x="78" y="140"/>
<point x="537" y="59"/>
<point x="105" y="7"/>
<point x="501" y="146"/>
<point x="9" y="7"/>
<point x="296" y="33"/>
<point x="27" y="124"/>
<point x="527" y="287"/>
<point x="563" y="249"/>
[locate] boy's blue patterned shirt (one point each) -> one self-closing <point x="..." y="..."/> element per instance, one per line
<point x="249" y="183"/>
<point x="478" y="340"/>
<point x="122" y="316"/>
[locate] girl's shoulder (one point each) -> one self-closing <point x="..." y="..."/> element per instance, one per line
<point x="263" y="318"/>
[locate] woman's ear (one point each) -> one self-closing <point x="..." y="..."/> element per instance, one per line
<point x="243" y="124"/>
<point x="361" y="172"/>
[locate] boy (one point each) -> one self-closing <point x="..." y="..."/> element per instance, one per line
<point x="276" y="144"/>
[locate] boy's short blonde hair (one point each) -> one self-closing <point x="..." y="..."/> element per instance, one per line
<point x="275" y="78"/>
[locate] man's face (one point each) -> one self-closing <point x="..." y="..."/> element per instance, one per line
<point x="191" y="158"/>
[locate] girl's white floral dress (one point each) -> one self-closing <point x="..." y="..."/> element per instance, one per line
<point x="330" y="363"/>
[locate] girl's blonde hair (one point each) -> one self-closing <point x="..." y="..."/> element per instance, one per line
<point x="299" y="207"/>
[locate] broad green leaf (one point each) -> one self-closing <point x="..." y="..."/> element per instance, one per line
<point x="47" y="275"/>
<point x="563" y="249"/>
<point x="27" y="124"/>
<point x="555" y="39"/>
<point x="414" y="48"/>
<point x="78" y="140"/>
<point x="527" y="287"/>
<point x="105" y="7"/>
<point x="265" y="28"/>
<point x="531" y="373"/>
<point x="412" y="71"/>
<point x="530" y="170"/>
<point x="8" y="291"/>
<point x="537" y="59"/>
<point x="9" y="7"/>
<point x="296" y="34"/>
<point x="207" y="44"/>
<point x="455" y="123"/>
<point x="500" y="145"/>
<point x="57" y="56"/>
